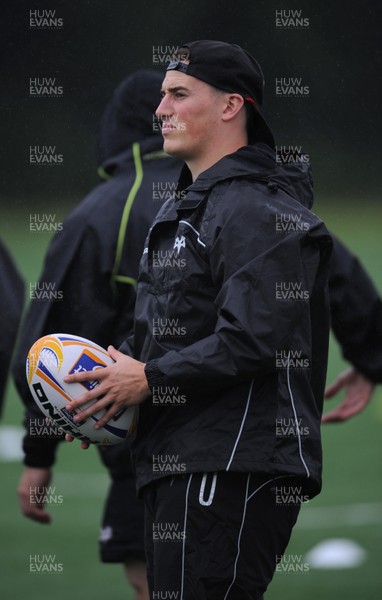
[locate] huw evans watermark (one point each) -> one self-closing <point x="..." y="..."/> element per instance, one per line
<point x="168" y="463"/>
<point x="168" y="328"/>
<point x="285" y="222"/>
<point x="290" y="427"/>
<point x="163" y="54"/>
<point x="164" y="259"/>
<point x="45" y="290"/>
<point x="291" y="563"/>
<point x="291" y="155"/>
<point x="44" y="156"/>
<point x="43" y="427"/>
<point x="168" y="532"/>
<point x="290" y="496"/>
<point x="293" y="359"/>
<point x="290" y="291"/>
<point x="44" y="223"/>
<point x="291" y="87"/>
<point x="44" y="495"/>
<point x="168" y="396"/>
<point x="45" y="19"/>
<point x="164" y="190"/>
<point x="45" y="87"/>
<point x="291" y="19"/>
<point x="172" y="121"/>
<point x="44" y="564"/>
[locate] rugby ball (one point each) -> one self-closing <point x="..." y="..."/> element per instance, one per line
<point x="50" y="359"/>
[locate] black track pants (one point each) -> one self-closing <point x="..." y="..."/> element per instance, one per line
<point x="215" y="536"/>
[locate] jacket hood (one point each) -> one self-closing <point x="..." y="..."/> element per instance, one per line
<point x="257" y="161"/>
<point x="128" y="117"/>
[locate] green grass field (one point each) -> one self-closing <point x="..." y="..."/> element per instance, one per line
<point x="350" y="505"/>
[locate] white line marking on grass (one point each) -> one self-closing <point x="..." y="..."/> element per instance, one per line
<point x="11" y="437"/>
<point x="344" y="515"/>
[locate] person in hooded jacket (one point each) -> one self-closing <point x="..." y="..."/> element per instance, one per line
<point x="239" y="375"/>
<point x="11" y="306"/>
<point x="94" y="262"/>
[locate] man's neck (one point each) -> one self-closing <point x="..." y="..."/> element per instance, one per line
<point x="201" y="164"/>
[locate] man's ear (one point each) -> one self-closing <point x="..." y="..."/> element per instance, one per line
<point x="234" y="103"/>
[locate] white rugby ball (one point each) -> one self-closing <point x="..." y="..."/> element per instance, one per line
<point x="50" y="359"/>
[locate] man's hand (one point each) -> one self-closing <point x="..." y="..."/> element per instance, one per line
<point x="358" y="389"/>
<point x="121" y="384"/>
<point x="31" y="491"/>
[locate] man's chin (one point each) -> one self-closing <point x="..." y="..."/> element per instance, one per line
<point x="172" y="148"/>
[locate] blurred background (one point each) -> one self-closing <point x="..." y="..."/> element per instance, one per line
<point x="322" y="66"/>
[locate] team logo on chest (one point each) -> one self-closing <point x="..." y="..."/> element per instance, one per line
<point x="180" y="242"/>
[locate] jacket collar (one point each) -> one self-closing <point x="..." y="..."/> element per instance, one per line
<point x="256" y="162"/>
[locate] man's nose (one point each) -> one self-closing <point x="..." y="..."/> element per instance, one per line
<point x="164" y="108"/>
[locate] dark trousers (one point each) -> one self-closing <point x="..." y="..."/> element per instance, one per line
<point x="215" y="536"/>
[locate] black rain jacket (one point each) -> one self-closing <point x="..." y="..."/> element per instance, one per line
<point x="247" y="366"/>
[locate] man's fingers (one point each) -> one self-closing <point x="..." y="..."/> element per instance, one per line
<point x="351" y="405"/>
<point x="97" y="374"/>
<point x="342" y="380"/>
<point x="38" y="514"/>
<point x="340" y="414"/>
<point x="343" y="412"/>
<point x="359" y="390"/>
<point x="32" y="503"/>
<point x="107" y="416"/>
<point x="333" y="416"/>
<point x="104" y="403"/>
<point x="34" y="511"/>
<point x="333" y="388"/>
<point x="95" y="394"/>
<point x="114" y="353"/>
<point x="70" y="438"/>
<point x="87" y="411"/>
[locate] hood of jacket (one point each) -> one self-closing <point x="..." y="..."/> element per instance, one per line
<point x="129" y="118"/>
<point x="256" y="161"/>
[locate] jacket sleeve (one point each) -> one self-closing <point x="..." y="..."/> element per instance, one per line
<point x="247" y="261"/>
<point x="87" y="306"/>
<point x="11" y="305"/>
<point x="356" y="313"/>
